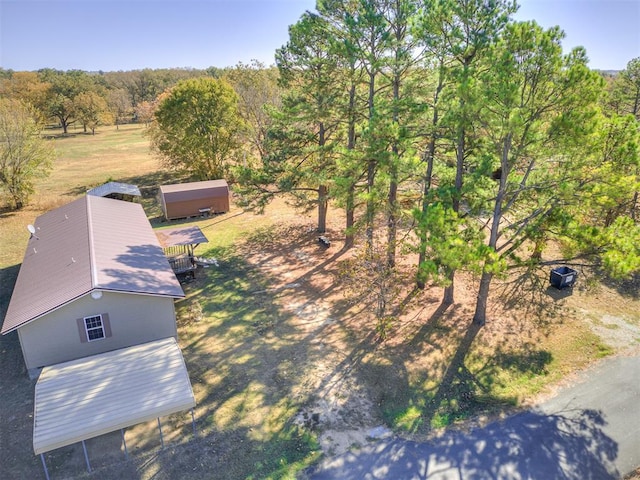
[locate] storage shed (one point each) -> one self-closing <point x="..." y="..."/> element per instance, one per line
<point x="195" y="198"/>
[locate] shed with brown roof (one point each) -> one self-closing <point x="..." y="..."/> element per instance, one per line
<point x="94" y="279"/>
<point x="182" y="200"/>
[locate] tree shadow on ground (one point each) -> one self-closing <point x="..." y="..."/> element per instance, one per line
<point x="7" y="211"/>
<point x="629" y="287"/>
<point x="459" y="381"/>
<point x="531" y="444"/>
<point x="8" y="277"/>
<point x="529" y="292"/>
<point x="246" y="357"/>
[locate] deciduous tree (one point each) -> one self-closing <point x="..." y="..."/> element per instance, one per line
<point x="196" y="128"/>
<point x="258" y="93"/>
<point x="119" y="105"/>
<point x="92" y="110"/>
<point x="143" y="112"/>
<point x="65" y="86"/>
<point x="24" y="155"/>
<point x="28" y="88"/>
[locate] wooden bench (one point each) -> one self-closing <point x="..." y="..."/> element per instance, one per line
<point x="183" y="265"/>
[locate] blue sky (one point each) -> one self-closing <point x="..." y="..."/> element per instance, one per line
<point x="131" y="34"/>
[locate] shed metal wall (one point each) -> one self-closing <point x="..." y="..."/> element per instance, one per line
<point x="189" y="199"/>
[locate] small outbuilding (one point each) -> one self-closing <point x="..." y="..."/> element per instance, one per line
<point x="195" y="198"/>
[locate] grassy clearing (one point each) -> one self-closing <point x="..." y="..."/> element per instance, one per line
<point x="244" y="419"/>
<point x="269" y="337"/>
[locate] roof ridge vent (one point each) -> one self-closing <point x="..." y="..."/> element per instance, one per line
<point x="92" y="252"/>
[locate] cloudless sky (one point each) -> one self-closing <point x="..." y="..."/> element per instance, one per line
<point x="111" y="35"/>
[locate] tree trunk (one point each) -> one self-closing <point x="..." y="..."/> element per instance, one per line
<point x="447" y="295"/>
<point x="392" y="199"/>
<point x="460" y="154"/>
<point x="422" y="253"/>
<point x="371" y="174"/>
<point x="428" y="176"/>
<point x="322" y="208"/>
<point x="350" y="206"/>
<point x="460" y="151"/>
<point x="322" y="189"/>
<point x="480" y="315"/>
<point x="371" y="205"/>
<point x="392" y="228"/>
<point x="350" y="213"/>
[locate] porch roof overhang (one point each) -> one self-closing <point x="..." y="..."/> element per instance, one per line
<point x="171" y="237"/>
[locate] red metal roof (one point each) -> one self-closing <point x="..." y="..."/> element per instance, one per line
<point x="91" y="243"/>
<point x="179" y="192"/>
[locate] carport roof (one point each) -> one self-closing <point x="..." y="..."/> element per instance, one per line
<point x="88" y="397"/>
<point x="114" y="187"/>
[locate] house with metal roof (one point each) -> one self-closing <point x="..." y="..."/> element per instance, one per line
<point x="94" y="279"/>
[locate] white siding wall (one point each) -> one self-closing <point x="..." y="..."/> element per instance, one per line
<point x="134" y="319"/>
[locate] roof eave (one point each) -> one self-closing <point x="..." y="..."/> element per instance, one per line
<point x="33" y="319"/>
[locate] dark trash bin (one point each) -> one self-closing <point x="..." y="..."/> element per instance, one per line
<point x="324" y="241"/>
<point x="563" y="277"/>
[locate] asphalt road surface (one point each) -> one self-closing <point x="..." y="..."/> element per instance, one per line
<point x="588" y="431"/>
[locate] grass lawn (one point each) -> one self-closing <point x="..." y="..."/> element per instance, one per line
<point x="283" y="363"/>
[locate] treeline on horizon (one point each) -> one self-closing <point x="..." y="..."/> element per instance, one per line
<point x="116" y="97"/>
<point x="93" y="98"/>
